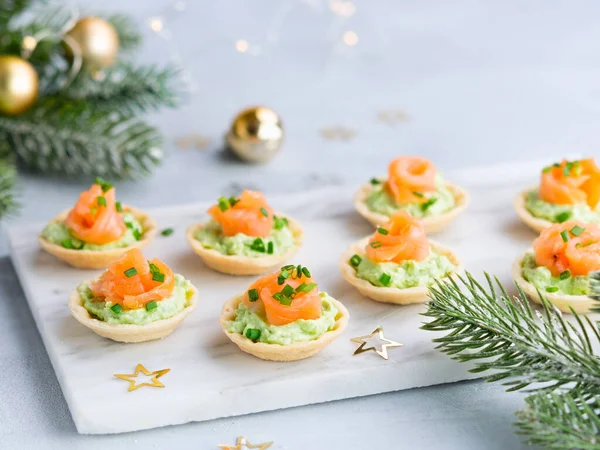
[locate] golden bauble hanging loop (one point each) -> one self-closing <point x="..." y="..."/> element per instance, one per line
<point x="18" y="85"/>
<point x="97" y="41"/>
<point x="256" y="134"/>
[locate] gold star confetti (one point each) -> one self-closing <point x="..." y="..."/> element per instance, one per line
<point x="139" y="368"/>
<point x="196" y="140"/>
<point x="242" y="443"/>
<point x="393" y="116"/>
<point x="338" y="133"/>
<point x="384" y="348"/>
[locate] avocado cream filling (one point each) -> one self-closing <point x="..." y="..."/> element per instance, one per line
<point x="58" y="233"/>
<point x="381" y="200"/>
<point x="276" y="243"/>
<point x="165" y="309"/>
<point x="559" y="213"/>
<point x="299" y="331"/>
<point x="542" y="278"/>
<point x="406" y="274"/>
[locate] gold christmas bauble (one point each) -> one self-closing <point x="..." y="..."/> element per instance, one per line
<point x="98" y="43"/>
<point x="18" y="85"/>
<point x="256" y="134"/>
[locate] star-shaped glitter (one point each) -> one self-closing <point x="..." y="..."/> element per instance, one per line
<point x="392" y="117"/>
<point x="139" y="368"/>
<point x="243" y="442"/>
<point x="384" y="348"/>
<point x="337" y="133"/>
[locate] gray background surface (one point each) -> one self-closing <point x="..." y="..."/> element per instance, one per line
<point x="482" y="82"/>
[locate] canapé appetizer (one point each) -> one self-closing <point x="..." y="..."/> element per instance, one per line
<point x="558" y="266"/>
<point x="569" y="190"/>
<point x="135" y="300"/>
<point x="245" y="236"/>
<point x="98" y="230"/>
<point x="283" y="316"/>
<point x="413" y="185"/>
<point x="398" y="263"/>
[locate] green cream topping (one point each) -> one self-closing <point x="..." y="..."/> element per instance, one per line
<point x="299" y="331"/>
<point x="165" y="309"/>
<point x="559" y="213"/>
<point x="58" y="233"/>
<point x="211" y="236"/>
<point x="381" y="200"/>
<point x="406" y="274"/>
<point x="542" y="278"/>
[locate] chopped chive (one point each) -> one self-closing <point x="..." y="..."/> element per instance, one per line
<point x="306" y="272"/>
<point x="67" y="244"/>
<point x="375" y="181"/>
<point x="279" y="222"/>
<point x="567" y="169"/>
<point x="264" y="212"/>
<point x="258" y="245"/>
<point x="167" y="231"/>
<point x="278" y="296"/>
<point x="287" y="290"/>
<point x="252" y="295"/>
<point x="116" y="308"/>
<point x="382" y="231"/>
<point x="418" y="194"/>
<point x="130" y="272"/>
<point x="270" y="248"/>
<point x="385" y="279"/>
<point x="430" y="201"/>
<point x="577" y="230"/>
<point x="93" y="211"/>
<point x="233" y="201"/>
<point x="253" y="334"/>
<point x="300" y="287"/>
<point x="306" y="288"/>
<point x="73" y="244"/>
<point x="563" y="216"/>
<point x="556" y="165"/>
<point x="288" y="267"/>
<point x="355" y="260"/>
<point x="158" y="276"/>
<point x="286" y="301"/>
<point x="551" y="289"/>
<point x="129" y="225"/>
<point x="284" y="275"/>
<point x="299" y="271"/>
<point x="119" y="207"/>
<point x="137" y="234"/>
<point x="375" y="244"/>
<point x="150" y="306"/>
<point x="546" y="169"/>
<point x="104" y="185"/>
<point x="101" y="201"/>
<point x="564" y="275"/>
<point x="223" y="204"/>
<point x="564" y="235"/>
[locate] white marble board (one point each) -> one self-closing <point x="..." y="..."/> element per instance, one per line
<point x="210" y="377"/>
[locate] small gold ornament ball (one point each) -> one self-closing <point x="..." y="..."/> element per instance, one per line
<point x="256" y="134"/>
<point x="98" y="42"/>
<point x="18" y="85"/>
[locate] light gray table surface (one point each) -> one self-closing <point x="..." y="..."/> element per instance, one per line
<point x="481" y="81"/>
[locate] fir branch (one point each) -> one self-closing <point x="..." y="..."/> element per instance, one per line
<point x="68" y="137"/>
<point x="595" y="287"/>
<point x="8" y="181"/>
<point x="9" y="9"/>
<point x="501" y="333"/>
<point x="129" y="35"/>
<point x="561" y="421"/>
<point x="126" y="89"/>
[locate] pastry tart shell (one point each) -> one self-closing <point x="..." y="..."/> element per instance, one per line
<point x="407" y="296"/>
<point x="283" y="353"/>
<point x="99" y="259"/>
<point x="130" y="333"/>
<point x="581" y="304"/>
<point x="432" y="224"/>
<point x="243" y="265"/>
<point x="536" y="223"/>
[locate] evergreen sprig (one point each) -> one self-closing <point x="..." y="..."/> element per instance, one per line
<point x="8" y="181"/>
<point x="525" y="349"/>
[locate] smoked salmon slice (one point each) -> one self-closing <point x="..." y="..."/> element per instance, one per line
<point x="409" y="177"/>
<point x="285" y="296"/>
<point x="569" y="246"/>
<point x="402" y="238"/>
<point x="571" y="183"/>
<point x="249" y="214"/>
<point x="94" y="218"/>
<point x="132" y="281"/>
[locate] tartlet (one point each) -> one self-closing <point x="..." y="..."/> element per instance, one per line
<point x="289" y="351"/>
<point x="97" y="217"/>
<point x="131" y="332"/>
<point x="568" y="190"/>
<point x="399" y="296"/>
<point x="413" y="182"/>
<point x="254" y="221"/>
